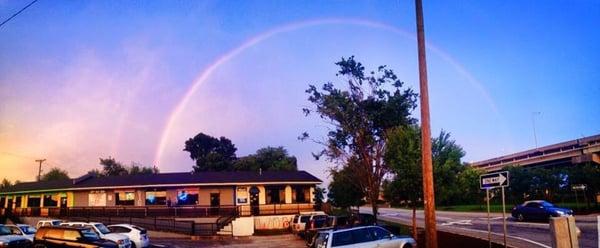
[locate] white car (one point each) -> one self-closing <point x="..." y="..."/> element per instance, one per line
<point x="26" y="231"/>
<point x="42" y="223"/>
<point x="362" y="237"/>
<point x="299" y="222"/>
<point x="102" y="231"/>
<point x="137" y="235"/>
<point x="7" y="239"/>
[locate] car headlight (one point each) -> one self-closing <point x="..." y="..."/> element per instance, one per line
<point x="559" y="212"/>
<point x="121" y="241"/>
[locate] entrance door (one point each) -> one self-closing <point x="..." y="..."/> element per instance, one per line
<point x="254" y="201"/>
<point x="215" y="202"/>
<point x="10" y="205"/>
<point x="63" y="206"/>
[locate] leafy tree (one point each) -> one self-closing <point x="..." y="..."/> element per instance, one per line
<point x="344" y="192"/>
<point x="447" y="165"/>
<point x="520" y="183"/>
<point x="359" y="118"/>
<point x="111" y="167"/>
<point x="211" y="154"/>
<point x="267" y="159"/>
<point x="589" y="175"/>
<point x="403" y="155"/>
<point x="5" y="184"/>
<point x="467" y="185"/>
<point x="55" y="174"/>
<point x="319" y="195"/>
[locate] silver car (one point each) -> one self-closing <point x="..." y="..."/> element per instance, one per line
<point x="362" y="237"/>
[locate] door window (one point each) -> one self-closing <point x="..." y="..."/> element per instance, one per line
<point x="341" y="239"/>
<point x="362" y="235"/>
<point x="380" y="233"/>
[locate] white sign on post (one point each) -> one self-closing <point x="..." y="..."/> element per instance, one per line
<point x="491" y="181"/>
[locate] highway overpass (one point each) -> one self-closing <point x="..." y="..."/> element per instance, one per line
<point x="567" y="153"/>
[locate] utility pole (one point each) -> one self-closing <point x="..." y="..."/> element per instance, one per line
<point x="39" y="178"/>
<point x="428" y="193"/>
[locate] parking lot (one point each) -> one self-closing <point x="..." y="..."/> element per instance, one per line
<point x="287" y="240"/>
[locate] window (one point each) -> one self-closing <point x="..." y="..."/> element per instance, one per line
<point x="275" y="195"/>
<point x="90" y="234"/>
<point x="362" y="235"/>
<point x="2" y="202"/>
<point x="33" y="202"/>
<point x="50" y="201"/>
<point x="54" y="234"/>
<point x="300" y="194"/>
<point x="125" y="198"/>
<point x="321" y="240"/>
<point x="71" y="235"/>
<point x="380" y="233"/>
<point x="187" y="197"/>
<point x="18" y="201"/>
<point x="156" y="197"/>
<point x="15" y="230"/>
<point x="533" y="205"/>
<point x="28" y="230"/>
<point x="341" y="239"/>
<point x="118" y="229"/>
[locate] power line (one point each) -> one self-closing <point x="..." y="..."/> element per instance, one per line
<point x="18" y="12"/>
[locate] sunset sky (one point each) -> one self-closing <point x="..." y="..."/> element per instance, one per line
<point x="80" y="80"/>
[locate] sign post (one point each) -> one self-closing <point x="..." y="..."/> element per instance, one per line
<point x="575" y="188"/>
<point x="491" y="181"/>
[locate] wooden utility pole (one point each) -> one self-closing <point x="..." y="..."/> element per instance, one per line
<point x="428" y="192"/>
<point x="40" y="168"/>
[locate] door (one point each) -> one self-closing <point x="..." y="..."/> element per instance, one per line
<point x="254" y="203"/>
<point x="63" y="206"/>
<point x="215" y="202"/>
<point x="10" y="205"/>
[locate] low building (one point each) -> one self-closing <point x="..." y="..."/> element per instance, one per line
<point x="205" y="194"/>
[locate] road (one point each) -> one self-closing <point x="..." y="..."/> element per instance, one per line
<point x="520" y="234"/>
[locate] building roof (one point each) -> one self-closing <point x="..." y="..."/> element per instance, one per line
<point x="167" y="180"/>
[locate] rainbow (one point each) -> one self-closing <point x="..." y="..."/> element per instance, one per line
<point x="206" y="73"/>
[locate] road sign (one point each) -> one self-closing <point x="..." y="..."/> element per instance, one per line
<point x="494" y="180"/>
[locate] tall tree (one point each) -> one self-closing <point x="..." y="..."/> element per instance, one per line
<point x="403" y="155"/>
<point x="267" y="159"/>
<point x="359" y="117"/>
<point x="447" y="165"/>
<point x="138" y="169"/>
<point x="55" y="174"/>
<point x="319" y="196"/>
<point x="211" y="154"/>
<point x="344" y="192"/>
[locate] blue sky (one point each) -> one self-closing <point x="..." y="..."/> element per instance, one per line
<point x="89" y="79"/>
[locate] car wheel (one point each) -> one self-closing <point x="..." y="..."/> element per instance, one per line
<point x="39" y="246"/>
<point x="407" y="246"/>
<point x="133" y="245"/>
<point x="520" y="217"/>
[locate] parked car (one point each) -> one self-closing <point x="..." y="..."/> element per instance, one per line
<point x="62" y="236"/>
<point x="42" y="223"/>
<point x="336" y="222"/>
<point x="102" y="231"/>
<point x="24" y="230"/>
<point x="137" y="235"/>
<point x="538" y="210"/>
<point x="8" y="239"/>
<point x="299" y="222"/>
<point x="364" y="237"/>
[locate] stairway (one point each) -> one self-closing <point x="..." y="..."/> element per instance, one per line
<point x="226" y="230"/>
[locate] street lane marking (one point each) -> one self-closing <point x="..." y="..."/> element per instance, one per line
<point x="460" y="222"/>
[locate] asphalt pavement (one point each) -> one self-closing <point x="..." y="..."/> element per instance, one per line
<point x="519" y="234"/>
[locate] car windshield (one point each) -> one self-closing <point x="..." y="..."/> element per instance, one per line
<point x="102" y="228"/>
<point x="4" y="231"/>
<point x="89" y="234"/>
<point x="56" y="222"/>
<point x="28" y="229"/>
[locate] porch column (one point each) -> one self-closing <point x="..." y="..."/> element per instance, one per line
<point x="312" y="195"/>
<point x="288" y="194"/>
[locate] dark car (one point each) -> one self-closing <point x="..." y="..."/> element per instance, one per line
<point x="54" y="236"/>
<point x="538" y="210"/>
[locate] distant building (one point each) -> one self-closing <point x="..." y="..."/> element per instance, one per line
<point x="567" y="153"/>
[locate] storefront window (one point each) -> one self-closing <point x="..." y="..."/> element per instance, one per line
<point x="187" y="197"/>
<point x="300" y="194"/>
<point x="156" y="198"/>
<point x="125" y="198"/>
<point x="275" y="195"/>
<point x="50" y="201"/>
<point x="33" y="202"/>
